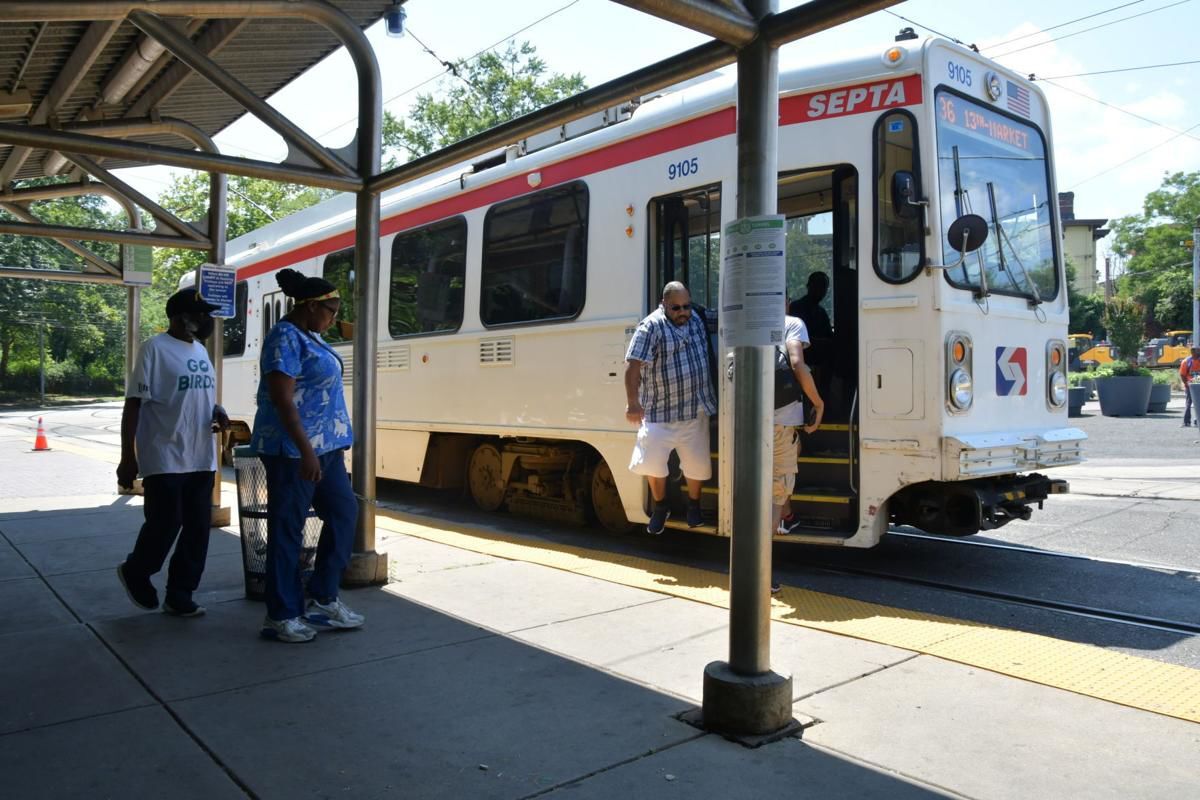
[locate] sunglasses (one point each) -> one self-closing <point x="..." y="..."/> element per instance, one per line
<point x="677" y="307"/>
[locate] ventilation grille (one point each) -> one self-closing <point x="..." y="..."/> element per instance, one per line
<point x="393" y="358"/>
<point x="496" y="352"/>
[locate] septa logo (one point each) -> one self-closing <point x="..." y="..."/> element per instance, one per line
<point x="1012" y="365"/>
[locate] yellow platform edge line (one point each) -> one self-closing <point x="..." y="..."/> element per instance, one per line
<point x="1167" y="689"/>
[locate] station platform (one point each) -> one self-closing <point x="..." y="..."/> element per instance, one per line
<point x="493" y="666"/>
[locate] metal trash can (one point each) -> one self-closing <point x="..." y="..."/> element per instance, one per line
<point x="252" y="518"/>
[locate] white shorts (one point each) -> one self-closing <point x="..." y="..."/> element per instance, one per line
<point x="783" y="473"/>
<point x="656" y="440"/>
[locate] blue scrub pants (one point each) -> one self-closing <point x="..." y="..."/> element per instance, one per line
<point x="288" y="500"/>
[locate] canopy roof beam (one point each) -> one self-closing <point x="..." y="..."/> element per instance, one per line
<point x="812" y="17"/>
<point x="719" y="20"/>
<point x="189" y="54"/>
<point x="63" y="276"/>
<point x="101" y="235"/>
<point x="159" y="213"/>
<point x="67" y="142"/>
<point x="25" y="215"/>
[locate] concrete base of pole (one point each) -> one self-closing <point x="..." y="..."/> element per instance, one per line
<point x="746" y="705"/>
<point x="221" y="517"/>
<point x="366" y="569"/>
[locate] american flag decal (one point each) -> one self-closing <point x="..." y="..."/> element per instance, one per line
<point x="1018" y="99"/>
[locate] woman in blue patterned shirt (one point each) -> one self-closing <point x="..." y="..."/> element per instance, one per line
<point x="300" y="432"/>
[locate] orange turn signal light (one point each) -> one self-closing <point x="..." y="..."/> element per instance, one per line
<point x="960" y="352"/>
<point x="1056" y="356"/>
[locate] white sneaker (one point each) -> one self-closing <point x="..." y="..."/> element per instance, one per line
<point x="333" y="614"/>
<point x="292" y="631"/>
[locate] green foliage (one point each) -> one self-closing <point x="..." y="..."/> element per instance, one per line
<point x="1086" y="310"/>
<point x="1124" y="317"/>
<point x="489" y="90"/>
<point x="1120" y="369"/>
<point x="1167" y="376"/>
<point x="1159" y="264"/>
<point x="1076" y="379"/>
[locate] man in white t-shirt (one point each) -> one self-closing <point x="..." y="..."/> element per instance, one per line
<point x="789" y="420"/>
<point x="170" y="410"/>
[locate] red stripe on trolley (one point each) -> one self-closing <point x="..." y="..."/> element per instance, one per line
<point x="701" y="129"/>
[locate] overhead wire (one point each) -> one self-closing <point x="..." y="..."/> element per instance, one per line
<point x="1122" y="69"/>
<point x="1138" y="155"/>
<point x="1088" y="30"/>
<point x="1064" y="24"/>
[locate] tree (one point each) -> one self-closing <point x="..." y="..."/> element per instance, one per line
<point x="252" y="203"/>
<point x="1159" y="261"/>
<point x="484" y="92"/>
<point x="1123" y="317"/>
<point x="1086" y="311"/>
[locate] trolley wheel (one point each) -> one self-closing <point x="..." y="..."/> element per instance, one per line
<point x="606" y="501"/>
<point x="484" y="474"/>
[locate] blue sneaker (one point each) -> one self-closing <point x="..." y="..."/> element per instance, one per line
<point x="694" y="518"/>
<point x="658" y="520"/>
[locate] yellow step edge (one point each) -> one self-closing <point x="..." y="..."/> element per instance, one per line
<point x="821" y="498"/>
<point x="821" y="460"/>
<point x="1142" y="683"/>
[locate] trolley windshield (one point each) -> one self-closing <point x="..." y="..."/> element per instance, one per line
<point x="994" y="166"/>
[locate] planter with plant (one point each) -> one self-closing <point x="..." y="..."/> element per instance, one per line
<point x="1124" y="387"/>
<point x="1160" y="393"/>
<point x="1083" y="380"/>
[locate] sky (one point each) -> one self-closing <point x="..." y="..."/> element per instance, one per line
<point x="1115" y="134"/>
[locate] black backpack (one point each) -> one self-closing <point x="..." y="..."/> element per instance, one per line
<point x="787" y="390"/>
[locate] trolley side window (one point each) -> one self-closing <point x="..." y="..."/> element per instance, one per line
<point x="429" y="267"/>
<point x="898" y="225"/>
<point x="235" y="328"/>
<point x="339" y="270"/>
<point x="534" y="257"/>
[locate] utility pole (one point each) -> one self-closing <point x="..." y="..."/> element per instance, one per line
<point x="42" y="359"/>
<point x="1107" y="278"/>
<point x="1196" y="282"/>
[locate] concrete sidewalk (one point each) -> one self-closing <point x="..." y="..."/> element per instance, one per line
<point x="483" y="677"/>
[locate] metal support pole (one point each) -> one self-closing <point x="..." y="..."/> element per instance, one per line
<point x="42" y="363"/>
<point x="750" y="545"/>
<point x="743" y="696"/>
<point x="218" y="221"/>
<point x="133" y="327"/>
<point x="1196" y="283"/>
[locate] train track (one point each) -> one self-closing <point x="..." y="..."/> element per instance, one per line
<point x="1038" y="552"/>
<point x="1026" y="601"/>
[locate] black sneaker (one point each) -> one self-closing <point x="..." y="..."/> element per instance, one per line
<point x="183" y="608"/>
<point x="775" y="587"/>
<point x="658" y="520"/>
<point x="694" y="518"/>
<point x="140" y="590"/>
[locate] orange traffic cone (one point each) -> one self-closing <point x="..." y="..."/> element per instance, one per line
<point x="40" y="443"/>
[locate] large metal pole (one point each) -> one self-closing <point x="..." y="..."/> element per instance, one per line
<point x="1196" y="283"/>
<point x="753" y="411"/>
<point x="218" y="218"/>
<point x="42" y="362"/>
<point x="743" y="696"/>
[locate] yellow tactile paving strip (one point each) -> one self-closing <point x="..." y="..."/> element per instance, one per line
<point x="1141" y="683"/>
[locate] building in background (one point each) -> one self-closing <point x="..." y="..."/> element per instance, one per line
<point x="1079" y="244"/>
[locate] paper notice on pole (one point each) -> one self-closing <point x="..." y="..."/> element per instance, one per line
<point x="753" y="281"/>
<point x="137" y="264"/>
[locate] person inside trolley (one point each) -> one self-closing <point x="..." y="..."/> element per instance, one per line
<point x="669" y="395"/>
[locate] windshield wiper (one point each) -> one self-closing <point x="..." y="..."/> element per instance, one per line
<point x="962" y="204"/>
<point x="1001" y="240"/>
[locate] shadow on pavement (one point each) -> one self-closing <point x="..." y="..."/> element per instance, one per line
<point x="106" y="700"/>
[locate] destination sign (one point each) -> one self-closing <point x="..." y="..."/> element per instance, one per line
<point x="956" y="112"/>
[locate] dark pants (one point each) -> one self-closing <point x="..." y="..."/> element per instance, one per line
<point x="1187" y="405"/>
<point x="176" y="505"/>
<point x="288" y="499"/>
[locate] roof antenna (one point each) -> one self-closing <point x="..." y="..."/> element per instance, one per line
<point x="906" y="34"/>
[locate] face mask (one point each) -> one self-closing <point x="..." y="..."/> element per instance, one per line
<point x="201" y="328"/>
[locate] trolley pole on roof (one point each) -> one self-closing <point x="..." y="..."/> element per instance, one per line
<point x="743" y="696"/>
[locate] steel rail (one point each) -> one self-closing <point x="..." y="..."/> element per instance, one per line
<point x="101" y="235"/>
<point x="160" y="214"/>
<point x="1073" y="609"/>
<point x="63" y="276"/>
<point x="25" y="215"/>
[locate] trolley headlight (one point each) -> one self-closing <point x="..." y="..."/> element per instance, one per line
<point x="961" y="389"/>
<point x="960" y="385"/>
<point x="1058" y="389"/>
<point x="1056" y="374"/>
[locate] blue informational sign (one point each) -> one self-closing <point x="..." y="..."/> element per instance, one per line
<point x="217" y="285"/>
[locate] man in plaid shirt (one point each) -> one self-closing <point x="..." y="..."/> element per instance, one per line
<point x="669" y="396"/>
